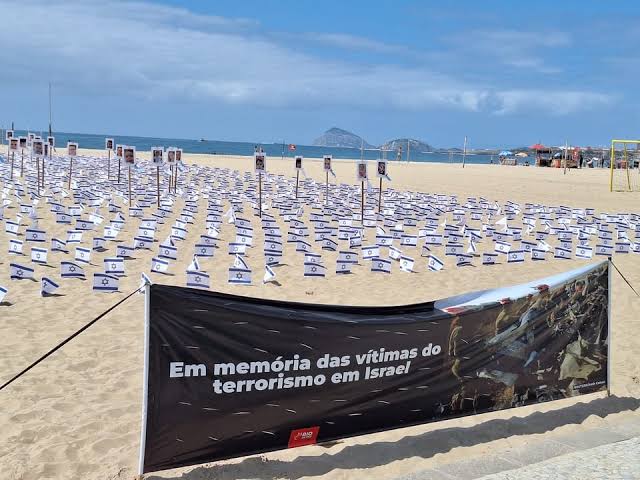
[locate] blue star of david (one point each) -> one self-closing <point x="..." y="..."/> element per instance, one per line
<point x="105" y="281"/>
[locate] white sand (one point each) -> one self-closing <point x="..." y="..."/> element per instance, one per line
<point x="77" y="415"/>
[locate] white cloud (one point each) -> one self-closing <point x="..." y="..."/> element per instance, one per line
<point x="158" y="52"/>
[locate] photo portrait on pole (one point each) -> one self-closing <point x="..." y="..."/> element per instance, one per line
<point x="157" y="154"/>
<point x="8" y="135"/>
<point x="108" y="143"/>
<point x="327" y="163"/>
<point x="260" y="162"/>
<point x="119" y="151"/>
<point x="382" y="169"/>
<point x="129" y="155"/>
<point x="298" y="162"/>
<point x="361" y="170"/>
<point x="72" y="149"/>
<point x="258" y="375"/>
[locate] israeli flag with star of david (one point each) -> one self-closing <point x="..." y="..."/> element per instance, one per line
<point x="124" y="251"/>
<point x="562" y="253"/>
<point x="343" y="266"/>
<point x="406" y="264"/>
<point x="142" y="243"/>
<point x="380" y="265"/>
<point x="48" y="286"/>
<point x="502" y="247"/>
<point x="11" y="227"/>
<point x="312" y="269"/>
<point x="370" y="252"/>
<point x="584" y="252"/>
<point x="515" y="256"/>
<point x="3" y="293"/>
<point x="272" y="257"/>
<point x="434" y="263"/>
<point x="159" y="265"/>
<point x="606" y="250"/>
<point x="15" y="246"/>
<point x="203" y="250"/>
<point x="74" y="236"/>
<point x="83" y="255"/>
<point x="71" y="270"/>
<point x="239" y="276"/>
<point x="33" y="235"/>
<point x="114" y="265"/>
<point x="39" y="255"/>
<point x="463" y="259"/>
<point x="19" y="272"/>
<point x="394" y="253"/>
<point x="103" y="282"/>
<point x="197" y="279"/>
<point x="110" y="232"/>
<point x="194" y="266"/>
<point x="489" y="258"/>
<point x="99" y="243"/>
<point x="538" y="254"/>
<point x="237" y="248"/>
<point x="168" y="251"/>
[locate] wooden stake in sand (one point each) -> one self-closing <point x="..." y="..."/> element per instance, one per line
<point x="171" y="158"/>
<point x="327" y="168"/>
<point x="37" y="150"/>
<point x="119" y="158"/>
<point x="260" y="166"/>
<point x="361" y="172"/>
<point x="382" y="173"/>
<point x="178" y="162"/>
<point x="464" y="152"/>
<point x="72" y="151"/>
<point x="108" y="145"/>
<point x="129" y="154"/>
<point x="157" y="154"/>
<point x="298" y="168"/>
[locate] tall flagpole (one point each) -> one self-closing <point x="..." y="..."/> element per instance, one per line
<point x="464" y="151"/>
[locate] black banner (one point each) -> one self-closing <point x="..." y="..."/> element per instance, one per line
<point x="230" y="376"/>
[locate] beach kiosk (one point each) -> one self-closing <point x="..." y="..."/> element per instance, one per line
<point x="543" y="155"/>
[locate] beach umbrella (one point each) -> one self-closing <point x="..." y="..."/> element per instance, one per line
<point x="537" y="146"/>
<point x="505" y="153"/>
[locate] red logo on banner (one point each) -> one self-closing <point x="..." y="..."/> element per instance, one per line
<point x="303" y="436"/>
<point x="292" y="147"/>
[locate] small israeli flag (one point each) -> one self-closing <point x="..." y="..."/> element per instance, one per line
<point x="515" y="256"/>
<point x="114" y="265"/>
<point x="197" y="279"/>
<point x="74" y="236"/>
<point x="238" y="262"/>
<point x="3" y="293"/>
<point x="269" y="274"/>
<point x="343" y="266"/>
<point x="103" y="282"/>
<point x="39" y="255"/>
<point x="406" y="264"/>
<point x="33" y="235"/>
<point x="562" y="253"/>
<point x="83" y="255"/>
<point x="239" y="276"/>
<point x="11" y="227"/>
<point x="142" y="243"/>
<point x="237" y="248"/>
<point x="168" y="251"/>
<point x="584" y="252"/>
<point x="99" y="243"/>
<point x="110" y="232"/>
<point x="453" y="249"/>
<point x="71" y="270"/>
<point x="19" y="272"/>
<point x="538" y="254"/>
<point x="312" y="269"/>
<point x="370" y="252"/>
<point x="380" y="265"/>
<point x="434" y="263"/>
<point x="606" y="250"/>
<point x="394" y="253"/>
<point x="159" y="265"/>
<point x="15" y="246"/>
<point x="463" y="259"/>
<point x="489" y="258"/>
<point x="502" y="247"/>
<point x="124" y="251"/>
<point x="47" y="286"/>
<point x="204" y="250"/>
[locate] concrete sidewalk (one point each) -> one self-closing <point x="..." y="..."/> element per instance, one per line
<point x="611" y="452"/>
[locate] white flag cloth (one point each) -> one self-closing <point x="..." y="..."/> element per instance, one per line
<point x="489" y="258"/>
<point x="584" y="252"/>
<point x="313" y="269"/>
<point x="19" y="272"/>
<point x="3" y="293"/>
<point x="48" y="286"/>
<point x="239" y="276"/>
<point x="39" y="255"/>
<point x="394" y="253"/>
<point x="15" y="246"/>
<point x="71" y="270"/>
<point x="343" y="266"/>
<point x="194" y="266"/>
<point x="380" y="265"/>
<point x="269" y="274"/>
<point x="103" y="282"/>
<point x="114" y="266"/>
<point x="83" y="255"/>
<point x="159" y="265"/>
<point x="434" y="263"/>
<point x="197" y="279"/>
<point x="238" y="262"/>
<point x="406" y="264"/>
<point x="372" y="251"/>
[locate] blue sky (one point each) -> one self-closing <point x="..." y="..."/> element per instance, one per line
<point x="504" y="73"/>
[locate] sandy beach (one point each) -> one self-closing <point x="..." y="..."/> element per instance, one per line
<point x="77" y="415"/>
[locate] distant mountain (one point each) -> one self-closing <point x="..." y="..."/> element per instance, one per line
<point x="337" y="137"/>
<point x="416" y="145"/>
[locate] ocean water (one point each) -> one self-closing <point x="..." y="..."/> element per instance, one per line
<point x="86" y="140"/>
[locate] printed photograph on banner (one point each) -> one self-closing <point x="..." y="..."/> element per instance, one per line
<point x="259" y="162"/>
<point x="382" y="169"/>
<point x="157" y="154"/>
<point x="23" y="142"/>
<point x="361" y="171"/>
<point x="327" y="163"/>
<point x="8" y="135"/>
<point x="72" y="149"/>
<point x="129" y="155"/>
<point x="13" y="144"/>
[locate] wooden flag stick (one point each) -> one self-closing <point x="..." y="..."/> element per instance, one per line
<point x="13" y="155"/>
<point x="326" y="194"/>
<point x="297" y="176"/>
<point x="362" y="205"/>
<point x="108" y="165"/>
<point x="260" y="194"/>
<point x="70" y="171"/>
<point x="129" y="186"/>
<point x="158" y="182"/>
<point x="380" y="198"/>
<point x="22" y="164"/>
<point x="119" y="171"/>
